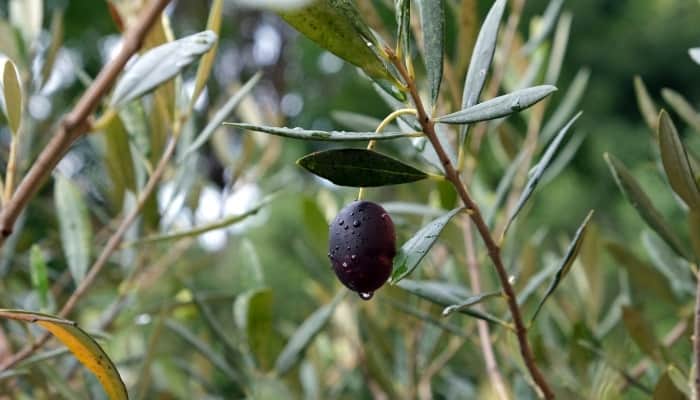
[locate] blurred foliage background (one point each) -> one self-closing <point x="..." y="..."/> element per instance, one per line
<point x="283" y="247"/>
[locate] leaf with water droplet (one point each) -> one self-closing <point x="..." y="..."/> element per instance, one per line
<point x="359" y="168"/>
<point x="159" y="65"/>
<point x="500" y="106"/>
<point x="415" y="249"/>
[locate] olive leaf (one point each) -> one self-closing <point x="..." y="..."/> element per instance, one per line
<point x="432" y="18"/>
<point x="695" y="54"/>
<point x="359" y="168"/>
<point x="74" y="222"/>
<point x="682" y="107"/>
<point x="646" y="105"/>
<point x="12" y="92"/>
<point x="642" y="203"/>
<point x="83" y="347"/>
<point x="641" y="332"/>
<point x="500" y="106"/>
<point x="253" y="313"/>
<point x="337" y="26"/>
<point x="549" y="20"/>
<point x="39" y="275"/>
<point x="415" y="249"/>
<point x="566" y="108"/>
<point x="642" y="276"/>
<point x="676" y="163"/>
<point x="329" y="136"/>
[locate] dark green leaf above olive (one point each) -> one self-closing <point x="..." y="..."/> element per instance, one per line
<point x="362" y="246"/>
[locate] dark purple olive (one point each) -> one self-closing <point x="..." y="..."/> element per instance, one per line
<point x="362" y="247"/>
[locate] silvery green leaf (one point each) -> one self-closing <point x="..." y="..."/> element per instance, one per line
<point x="500" y="106"/>
<point x="676" y="164"/>
<point x="432" y="18"/>
<point x="559" y="45"/>
<point x="330" y="136"/>
<point x="646" y="105"/>
<point x="567" y="105"/>
<point x="470" y="302"/>
<point x="403" y="24"/>
<point x="75" y="227"/>
<point x="159" y="65"/>
<point x="549" y="19"/>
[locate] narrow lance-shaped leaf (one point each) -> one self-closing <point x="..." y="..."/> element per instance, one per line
<point x="83" y="347"/>
<point x="304" y="335"/>
<point x="207" y="62"/>
<point x="500" y="106"/>
<point x="643" y="277"/>
<point x="223" y="113"/>
<point x="539" y="170"/>
<point x="74" y="223"/>
<point x="337" y="26"/>
<point x="567" y="106"/>
<point x="676" y="164"/>
<point x="38" y="271"/>
<point x="432" y="18"/>
<point x="327" y="136"/>
<point x="446" y="295"/>
<point x="641" y="332"/>
<point x="549" y="20"/>
<point x="559" y="45"/>
<point x="646" y="105"/>
<point x="159" y="65"/>
<point x="13" y="96"/>
<point x="566" y="263"/>
<point x="642" y="203"/>
<point x="470" y="302"/>
<point x="682" y="107"/>
<point x="253" y="312"/>
<point x="673" y="268"/>
<point x="695" y="54"/>
<point x="359" y="168"/>
<point x="403" y="24"/>
<point x="416" y="248"/>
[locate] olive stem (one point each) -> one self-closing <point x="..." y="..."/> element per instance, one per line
<point x="380" y="128"/>
<point x="494" y="252"/>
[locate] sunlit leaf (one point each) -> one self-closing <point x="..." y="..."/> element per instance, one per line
<point x="647" y="106"/>
<point x="416" y="248"/>
<point x="359" y="168"/>
<point x="432" y="18"/>
<point x="83" y="347"/>
<point x="207" y="62"/>
<point x="445" y="295"/>
<point x="357" y="121"/>
<point x="682" y="107"/>
<point x="538" y="170"/>
<point x="74" y="222"/>
<point x="642" y="203"/>
<point x="159" y="65"/>
<point x="337" y="26"/>
<point x="500" y="106"/>
<point x="676" y="164"/>
<point x="223" y="113"/>
<point x="641" y="332"/>
<point x="566" y="263"/>
<point x="329" y="136"/>
<point x="304" y="335"/>
<point x="39" y="275"/>
<point x="13" y="96"/>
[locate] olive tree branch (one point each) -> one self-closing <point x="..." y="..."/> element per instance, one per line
<point x="77" y="122"/>
<point x="494" y="252"/>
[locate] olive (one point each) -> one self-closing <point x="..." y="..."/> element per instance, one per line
<point x="362" y="246"/>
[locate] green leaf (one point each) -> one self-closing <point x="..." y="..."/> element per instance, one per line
<point x="676" y="164"/>
<point x="482" y="55"/>
<point x="445" y="295"/>
<point x="500" y="106"/>
<point x="694" y="222"/>
<point x="12" y="90"/>
<point x="682" y="107"/>
<point x="567" y="106"/>
<point x="559" y="45"/>
<point x="642" y="203"/>
<point x="649" y="282"/>
<point x="159" y="65"/>
<point x="647" y="106"/>
<point x="641" y="332"/>
<point x="680" y="381"/>
<point x="403" y="26"/>
<point x="328" y="136"/>
<point x="207" y="62"/>
<point x="666" y="390"/>
<point x="357" y="121"/>
<point x="664" y="260"/>
<point x="40" y="280"/>
<point x="549" y="20"/>
<point x="538" y="170"/>
<point x="83" y="347"/>
<point x="432" y="19"/>
<point x="253" y="312"/>
<point x="469" y="302"/>
<point x="74" y="223"/>
<point x="304" y="335"/>
<point x="359" y="168"/>
<point x="413" y="251"/>
<point x="566" y="263"/>
<point x="337" y="26"/>
<point x="118" y="159"/>
<point x="223" y="113"/>
<point x="695" y="54"/>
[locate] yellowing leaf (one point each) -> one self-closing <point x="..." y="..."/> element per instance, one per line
<point x="83" y="347"/>
<point x="207" y="61"/>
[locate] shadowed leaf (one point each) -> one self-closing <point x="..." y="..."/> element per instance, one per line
<point x="643" y="277"/>
<point x="359" y="168"/>
<point x="641" y="332"/>
<point x="676" y="164"/>
<point x="413" y="251"/>
<point x="682" y="107"/>
<point x="549" y="20"/>
<point x="74" y="222"/>
<point x="432" y="18"/>
<point x="646" y="105"/>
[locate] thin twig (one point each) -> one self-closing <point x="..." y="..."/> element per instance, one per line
<point x="76" y="123"/>
<point x="494" y="252"/>
<point x="484" y="331"/>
